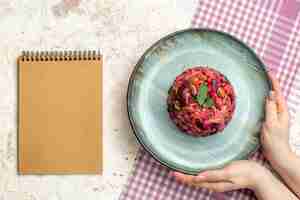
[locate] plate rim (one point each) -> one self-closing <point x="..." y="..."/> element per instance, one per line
<point x="136" y="67"/>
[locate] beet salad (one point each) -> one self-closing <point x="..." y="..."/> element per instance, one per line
<point x="201" y="101"/>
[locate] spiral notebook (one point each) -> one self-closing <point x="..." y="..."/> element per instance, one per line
<point x="59" y="112"/>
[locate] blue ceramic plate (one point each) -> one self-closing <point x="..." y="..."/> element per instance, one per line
<point x="155" y="73"/>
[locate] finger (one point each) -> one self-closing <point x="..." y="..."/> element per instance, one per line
<point x="183" y="177"/>
<point x="281" y="104"/>
<point x="271" y="109"/>
<point x="264" y="135"/>
<point x="275" y="83"/>
<point x="279" y="96"/>
<point x="212" y="176"/>
<point x="282" y="110"/>
<point x="264" y="130"/>
<point x="284" y="116"/>
<point x="218" y="186"/>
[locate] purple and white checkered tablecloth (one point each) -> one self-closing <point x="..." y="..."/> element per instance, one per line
<point x="272" y="29"/>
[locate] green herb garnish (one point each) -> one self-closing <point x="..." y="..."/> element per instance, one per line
<point x="202" y="94"/>
<point x="208" y="103"/>
<point x="203" y="98"/>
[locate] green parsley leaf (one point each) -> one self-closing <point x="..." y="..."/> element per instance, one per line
<point x="202" y="94"/>
<point x="208" y="103"/>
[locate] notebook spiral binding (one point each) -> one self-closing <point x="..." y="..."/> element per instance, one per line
<point x="60" y="55"/>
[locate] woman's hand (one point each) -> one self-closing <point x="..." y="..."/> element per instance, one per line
<point x="275" y="129"/>
<point x="275" y="139"/>
<point x="237" y="175"/>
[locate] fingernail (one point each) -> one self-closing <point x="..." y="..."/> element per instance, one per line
<point x="272" y="95"/>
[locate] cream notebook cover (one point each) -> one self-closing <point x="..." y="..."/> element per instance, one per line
<point x="59" y="113"/>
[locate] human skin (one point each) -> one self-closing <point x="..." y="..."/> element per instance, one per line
<point x="251" y="175"/>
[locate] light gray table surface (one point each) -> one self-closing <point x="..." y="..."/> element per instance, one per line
<point x="122" y="30"/>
